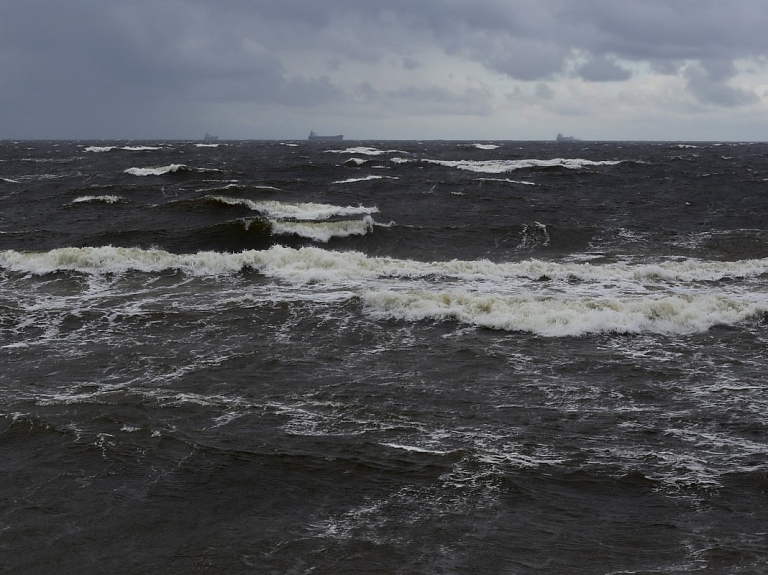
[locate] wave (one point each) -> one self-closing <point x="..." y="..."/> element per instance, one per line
<point x="161" y="171"/>
<point x="170" y="169"/>
<point x="503" y="166"/>
<point x="8" y="181"/>
<point x="102" y="149"/>
<point x="365" y="151"/>
<point x="485" y="146"/>
<point x="105" y="199"/>
<point x="617" y="298"/>
<point x="561" y="317"/>
<point x="296" y="211"/>
<point x="324" y="231"/>
<point x="311" y="264"/>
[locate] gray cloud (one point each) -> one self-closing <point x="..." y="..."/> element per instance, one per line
<point x="603" y="69"/>
<point x="709" y="85"/>
<point x="153" y="64"/>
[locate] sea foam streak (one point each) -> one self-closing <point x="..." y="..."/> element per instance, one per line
<point x="365" y="179"/>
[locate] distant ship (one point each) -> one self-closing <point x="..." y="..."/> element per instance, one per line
<point x="314" y="138"/>
<point x="209" y="138"/>
<point x="561" y="138"/>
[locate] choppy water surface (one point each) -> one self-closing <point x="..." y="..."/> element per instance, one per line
<point x="390" y="357"/>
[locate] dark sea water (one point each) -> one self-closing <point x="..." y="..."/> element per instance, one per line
<point x="383" y="357"/>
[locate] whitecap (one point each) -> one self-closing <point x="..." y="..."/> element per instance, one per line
<point x="485" y="146"/>
<point x="365" y="151"/>
<point x="297" y="211"/>
<point x="105" y="199"/>
<point x="501" y="166"/>
<point x="160" y="171"/>
<point x="324" y="231"/>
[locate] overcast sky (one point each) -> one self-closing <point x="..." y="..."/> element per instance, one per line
<point x="385" y="69"/>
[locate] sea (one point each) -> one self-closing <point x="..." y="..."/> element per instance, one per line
<point x="385" y="357"/>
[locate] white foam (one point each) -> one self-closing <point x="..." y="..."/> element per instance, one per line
<point x="485" y="146"/>
<point x="99" y="149"/>
<point x="365" y="179"/>
<point x="415" y="449"/>
<point x="207" y="145"/>
<point x="8" y="181"/>
<point x="507" y="181"/>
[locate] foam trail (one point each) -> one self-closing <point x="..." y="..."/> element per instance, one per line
<point x="365" y="179"/>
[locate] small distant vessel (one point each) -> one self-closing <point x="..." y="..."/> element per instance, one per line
<point x="210" y="138"/>
<point x="561" y="138"/>
<point x="315" y="138"/>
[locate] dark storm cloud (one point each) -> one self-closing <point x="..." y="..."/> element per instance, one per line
<point x="64" y="64"/>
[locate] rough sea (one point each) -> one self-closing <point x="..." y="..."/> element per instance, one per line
<point x="383" y="357"/>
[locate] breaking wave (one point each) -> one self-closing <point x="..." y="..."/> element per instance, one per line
<point x="102" y="149"/>
<point x="561" y="317"/>
<point x="163" y="170"/>
<point x="366" y="151"/>
<point x="503" y="166"/>
<point x="296" y="211"/>
<point x="104" y="199"/>
<point x="668" y="298"/>
<point x="324" y="231"/>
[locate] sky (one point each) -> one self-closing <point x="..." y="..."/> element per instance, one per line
<point x="681" y="70"/>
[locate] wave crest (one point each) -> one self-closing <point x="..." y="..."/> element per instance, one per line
<point x="558" y="317"/>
